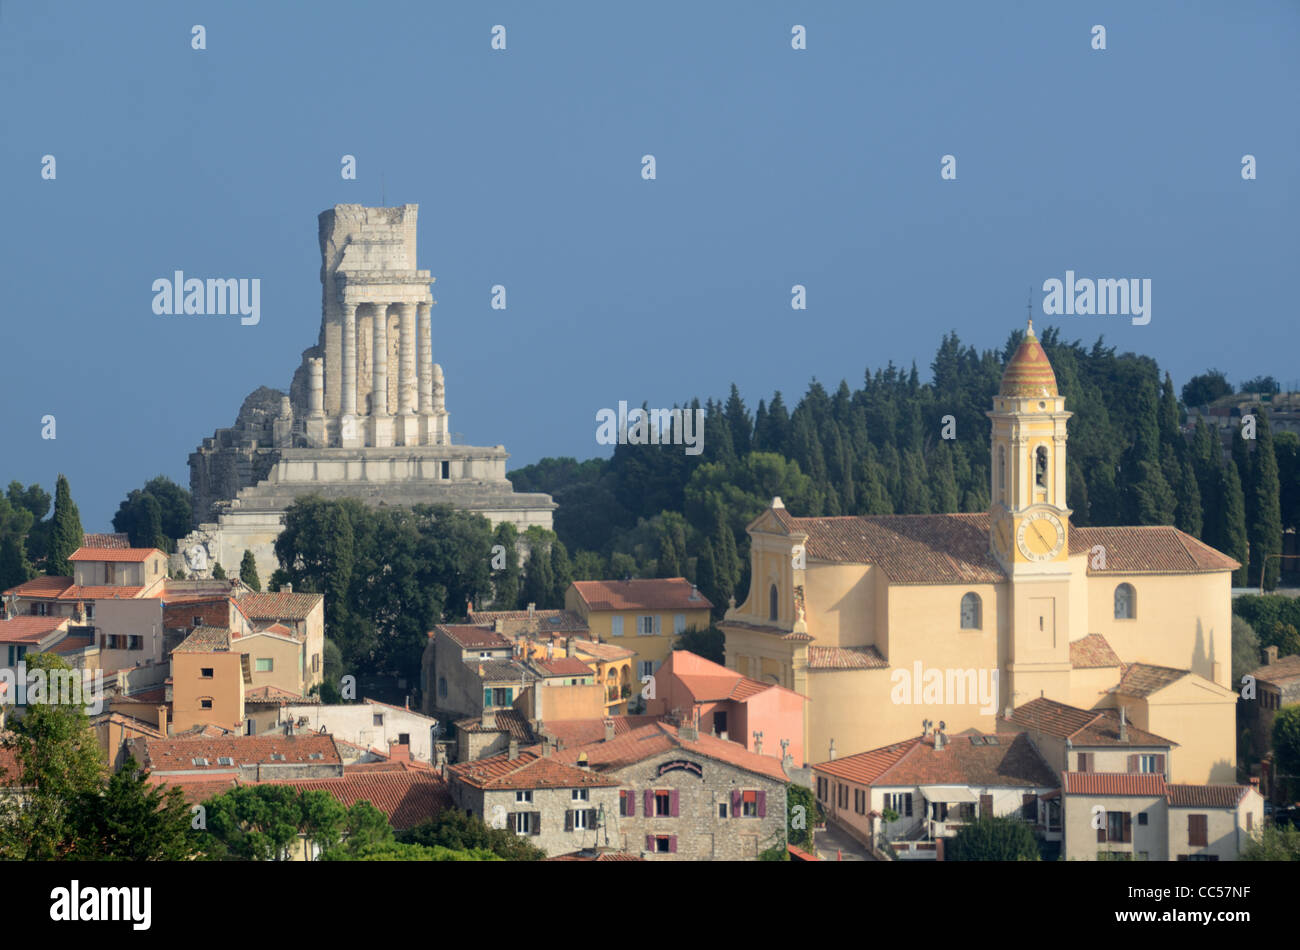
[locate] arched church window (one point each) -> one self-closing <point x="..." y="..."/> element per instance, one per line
<point x="771" y="603"/>
<point x="1002" y="473"/>
<point x="1040" y="466"/>
<point x="970" y="612"/>
<point x="1125" y="602"/>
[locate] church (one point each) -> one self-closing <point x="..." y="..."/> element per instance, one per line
<point x="846" y="610"/>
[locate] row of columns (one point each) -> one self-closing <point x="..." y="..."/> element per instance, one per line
<point x="414" y="362"/>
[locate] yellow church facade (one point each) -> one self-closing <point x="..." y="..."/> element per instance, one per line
<point x="886" y="621"/>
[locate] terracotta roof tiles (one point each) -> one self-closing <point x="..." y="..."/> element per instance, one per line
<point x="666" y="593"/>
<point x="910" y="549"/>
<point x="1206" y="796"/>
<point x="278" y="605"/>
<point x="845" y="658"/>
<point x="1113" y="783"/>
<point x="129" y="555"/>
<point x="1092" y="652"/>
<point x="1148" y="549"/>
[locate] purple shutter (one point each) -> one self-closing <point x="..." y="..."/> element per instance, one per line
<point x="1132" y="763"/>
<point x="762" y="804"/>
<point x="1160" y="764"/>
<point x="735" y="803"/>
<point x="649" y="803"/>
<point x="672" y="842"/>
<point x="672" y="803"/>
<point x="649" y="842"/>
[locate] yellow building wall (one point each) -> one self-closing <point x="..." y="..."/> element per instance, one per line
<point x="284" y="655"/>
<point x="648" y="647"/>
<point x="189" y="688"/>
<point x="1201" y="722"/>
<point x="1081" y="842"/>
<point x="841" y="603"/>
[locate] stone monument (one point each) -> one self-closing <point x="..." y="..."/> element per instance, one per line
<point x="365" y="416"/>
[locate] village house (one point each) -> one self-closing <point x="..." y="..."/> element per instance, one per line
<point x="370" y="724"/>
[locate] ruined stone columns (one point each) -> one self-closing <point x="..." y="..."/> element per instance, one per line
<point x="440" y="424"/>
<point x="381" y="428"/>
<point x="315" y="401"/>
<point x="407" y="428"/>
<point x="424" y="353"/>
<point x="349" y="435"/>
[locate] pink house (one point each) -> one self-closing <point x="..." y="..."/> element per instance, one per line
<point x="729" y="705"/>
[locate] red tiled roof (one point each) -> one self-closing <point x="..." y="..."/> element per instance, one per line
<point x="407" y="798"/>
<point x="277" y="695"/>
<point x="196" y="788"/>
<point x="106" y="541"/>
<point x="113" y="554"/>
<point x="1092" y="652"/>
<point x="707" y="681"/>
<point x="278" y="605"/>
<point x="49" y="587"/>
<point x="527" y="770"/>
<point x="205" y="640"/>
<point x="1083" y="727"/>
<point x="1113" y="783"/>
<point x="178" y="753"/>
<point x="970" y="759"/>
<point x="564" y="666"/>
<point x="1206" y="796"/>
<point x="469" y="637"/>
<point x="1143" y="679"/>
<point x="572" y="733"/>
<point x="603" y="651"/>
<point x="28" y="629"/>
<point x="542" y="621"/>
<point x="658" y="737"/>
<point x="1280" y="672"/>
<point x="845" y="658"/>
<point x="1148" y="549"/>
<point x="100" y="592"/>
<point x="665" y="593"/>
<point x="865" y="767"/>
<point x="597" y="856"/>
<point x="910" y="549"/>
<point x="510" y="721"/>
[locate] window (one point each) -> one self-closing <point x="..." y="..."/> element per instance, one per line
<point x="615" y="626"/>
<point x="821" y="789"/>
<point x="378" y="719"/>
<point x="16" y="654"/>
<point x="645" y="668"/>
<point x="485" y="654"/>
<point x="970" y="612"/>
<point x="1197" y="830"/>
<point x="1040" y="466"/>
<point x="1029" y="807"/>
<point x="265" y="665"/>
<point x="679" y="623"/>
<point x="225" y="760"/>
<point x="1250" y="821"/>
<point x="502" y="697"/>
<point x="198" y="620"/>
<point x="523" y="819"/>
<point x="90" y="610"/>
<point x="205" y="704"/>
<point x="134" y="642"/>
<point x="626" y="802"/>
<point x="206" y="672"/>
<point x="841" y="795"/>
<point x="647" y="626"/>
<point x="722" y="810"/>
<point x="581" y="795"/>
<point x="1142" y="818"/>
<point x="772" y="603"/>
<point x="1002" y="473"/>
<point x="900" y="802"/>
<point x="524" y="796"/>
<point x="749" y="803"/>
<point x="446" y="470"/>
<point x="442" y="686"/>
<point x="201" y="762"/>
<point x="665" y="844"/>
<point x="1118" y="827"/>
<point x="581" y="819"/>
<point x="859" y="801"/>
<point x="663" y="804"/>
<point x="1148" y="763"/>
<point x="1085" y="761"/>
<point x="1125" y="602"/>
<point x="403" y="738"/>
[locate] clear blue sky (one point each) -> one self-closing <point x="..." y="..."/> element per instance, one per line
<point x="775" y="167"/>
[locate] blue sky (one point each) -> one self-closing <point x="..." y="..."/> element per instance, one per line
<point x="774" y="167"/>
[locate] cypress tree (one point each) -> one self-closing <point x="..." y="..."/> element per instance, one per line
<point x="248" y="571"/>
<point x="505" y="581"/>
<point x="218" y="572"/>
<point x="944" y="480"/>
<point x="873" y="497"/>
<point x="739" y="423"/>
<point x="1190" y="516"/>
<point x="915" y="490"/>
<point x="1230" y="521"/>
<point x="1265" y="526"/>
<point x="706" y="577"/>
<point x="761" y="429"/>
<point x="778" y="427"/>
<point x="66" y="535"/>
<point x="539" y="578"/>
<point x="561" y="574"/>
<point x="726" y="559"/>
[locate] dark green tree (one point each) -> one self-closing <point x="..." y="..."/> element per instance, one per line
<point x="1265" y="528"/>
<point x="453" y="829"/>
<point x="1230" y="521"/>
<point x="505" y="580"/>
<point x="1286" y="743"/>
<point x="248" y="571"/>
<point x="218" y="572"/>
<point x="1205" y="389"/>
<point x="993" y="839"/>
<point x="131" y="820"/>
<point x="709" y="643"/>
<point x="66" y="534"/>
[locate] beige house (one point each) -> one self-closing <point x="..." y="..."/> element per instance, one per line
<point x="644" y="615"/>
<point x="303" y="617"/>
<point x="955" y="617"/>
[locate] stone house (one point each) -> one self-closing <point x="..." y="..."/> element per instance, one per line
<point x="1277" y="684"/>
<point x="460" y="662"/>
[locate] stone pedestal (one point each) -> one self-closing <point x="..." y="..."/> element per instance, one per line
<point x="406" y="429"/>
<point x="379" y="430"/>
<point x="351" y="435"/>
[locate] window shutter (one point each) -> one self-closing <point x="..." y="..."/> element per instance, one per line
<point x="1128" y="827"/>
<point x="649" y="842"/>
<point x="537" y="822"/>
<point x="649" y="803"/>
<point x="591" y="819"/>
<point x="735" y="803"/>
<point x="672" y="844"/>
<point x="1101" y="832"/>
<point x="1160" y="764"/>
<point x="659" y="627"/>
<point x="616" y="626"/>
<point x="568" y="820"/>
<point x="762" y="804"/>
<point x="908" y="800"/>
<point x="631" y="803"/>
<point x="672" y="803"/>
<point x="1132" y="763"/>
<point x="487" y="697"/>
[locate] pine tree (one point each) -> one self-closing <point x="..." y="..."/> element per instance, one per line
<point x="218" y="572"/>
<point x="561" y="574"/>
<point x="778" y="427"/>
<point x="539" y="578"/>
<point x="915" y="490"/>
<point x="248" y="571"/>
<point x="739" y="423"/>
<point x="505" y="581"/>
<point x="66" y="534"/>
<point x="1265" y="527"/>
<point x="943" y="488"/>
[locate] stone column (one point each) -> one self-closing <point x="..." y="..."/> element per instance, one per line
<point x="381" y="427"/>
<point x="441" y="422"/>
<point x="349" y="433"/>
<point x="315" y="401"/>
<point x="407" y="429"/>
<point x="424" y="355"/>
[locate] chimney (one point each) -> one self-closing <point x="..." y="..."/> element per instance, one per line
<point x="532" y="611"/>
<point x="688" y="731"/>
<point x="1123" y="725"/>
<point x="938" y="740"/>
<point x="286" y="588"/>
<point x="499" y="625"/>
<point x="469" y="608"/>
<point x="609" y="730"/>
<point x="512" y="752"/>
<point x="695" y="592"/>
<point x="489" y="719"/>
<point x="568" y="645"/>
<point x="1270" y="656"/>
<point x="832" y="755"/>
<point x="399" y="753"/>
<point x="162" y="720"/>
<point x="550" y="650"/>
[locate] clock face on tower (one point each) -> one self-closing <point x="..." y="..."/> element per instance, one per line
<point x="1041" y="536"/>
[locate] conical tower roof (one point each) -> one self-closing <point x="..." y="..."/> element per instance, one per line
<point x="1029" y="373"/>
